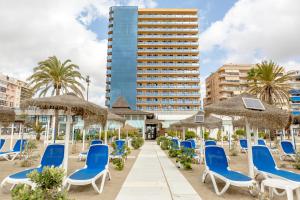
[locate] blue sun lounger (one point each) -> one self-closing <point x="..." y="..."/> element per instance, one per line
<point x="175" y="144"/>
<point x="96" y="166"/>
<point x="19" y="145"/>
<point x="188" y="145"/>
<point x="287" y="149"/>
<point x="265" y="165"/>
<point x="263" y="143"/>
<point x="53" y="157"/>
<point x="120" y="149"/>
<point x="2" y="142"/>
<point x="216" y="166"/>
<point x="210" y="142"/>
<point x="83" y="155"/>
<point x="244" y="145"/>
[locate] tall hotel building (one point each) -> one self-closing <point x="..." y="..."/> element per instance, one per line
<point x="228" y="81"/>
<point x="153" y="59"/>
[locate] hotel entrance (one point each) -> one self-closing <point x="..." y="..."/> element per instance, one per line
<point x="151" y="132"/>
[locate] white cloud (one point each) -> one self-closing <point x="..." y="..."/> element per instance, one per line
<point x="253" y="30"/>
<point x="143" y="3"/>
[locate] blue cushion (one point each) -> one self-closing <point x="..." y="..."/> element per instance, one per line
<point x="261" y="142"/>
<point x="215" y="158"/>
<point x="262" y="158"/>
<point x="243" y="143"/>
<point x="23" y="174"/>
<point x="2" y="141"/>
<point x="232" y="175"/>
<point x="288" y="147"/>
<point x="53" y="155"/>
<point x="85" y="174"/>
<point x="210" y="142"/>
<point x="285" y="174"/>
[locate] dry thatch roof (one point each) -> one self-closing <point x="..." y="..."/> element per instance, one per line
<point x="121" y="103"/>
<point x="209" y="122"/>
<point x="128" y="127"/>
<point x="7" y="116"/>
<point x="121" y="107"/>
<point x="113" y="117"/>
<point x="235" y="107"/>
<point x="69" y="102"/>
<point x="255" y="123"/>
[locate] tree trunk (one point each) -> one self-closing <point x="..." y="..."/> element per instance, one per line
<point x="56" y="118"/>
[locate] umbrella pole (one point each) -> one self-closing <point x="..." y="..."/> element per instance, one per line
<point x="53" y="129"/>
<point x="100" y="134"/>
<point x="47" y="132"/>
<point x="0" y="130"/>
<point x="83" y="139"/>
<point x="119" y="133"/>
<point x="11" y="136"/>
<point x="183" y="133"/>
<point x="73" y="134"/>
<point x="105" y="136"/>
<point x="222" y="135"/>
<point x="250" y="163"/>
<point x="293" y="136"/>
<point x="256" y="137"/>
<point x="283" y="131"/>
<point x="67" y="138"/>
<point x="20" y="127"/>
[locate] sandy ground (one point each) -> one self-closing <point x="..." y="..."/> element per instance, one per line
<point x="239" y="163"/>
<point x="111" y="188"/>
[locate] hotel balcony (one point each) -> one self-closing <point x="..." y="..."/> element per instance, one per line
<point x="107" y="87"/>
<point x="108" y="65"/>
<point x="197" y="87"/>
<point x="169" y="50"/>
<point x="108" y="79"/>
<point x="166" y="44"/>
<point x="166" y="23"/>
<point x="296" y="112"/>
<point x="167" y="71"/>
<point x="168" y="16"/>
<point x="169" y="36"/>
<point x="168" y="64"/>
<point x="177" y="79"/>
<point x="168" y="102"/>
<point x="165" y="30"/>
<point x="165" y="57"/>
<point x="168" y="94"/>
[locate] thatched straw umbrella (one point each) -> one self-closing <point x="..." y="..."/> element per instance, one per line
<point x="209" y="122"/>
<point x="235" y="107"/>
<point x="71" y="105"/>
<point x="128" y="128"/>
<point x="113" y="117"/>
<point x="7" y="116"/>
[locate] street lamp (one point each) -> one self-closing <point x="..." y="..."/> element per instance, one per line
<point x="87" y="80"/>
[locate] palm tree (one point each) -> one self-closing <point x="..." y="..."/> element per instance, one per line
<point x="270" y="83"/>
<point x="54" y="77"/>
<point x="38" y="128"/>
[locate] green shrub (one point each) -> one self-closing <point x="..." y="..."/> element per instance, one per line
<point x="297" y="161"/>
<point x="234" y="150"/>
<point x="240" y="132"/>
<point x="225" y="138"/>
<point x="173" y="153"/>
<point x="48" y="184"/>
<point x="171" y="133"/>
<point x="219" y="136"/>
<point x="165" y="144"/>
<point x="118" y="163"/>
<point x="190" y="135"/>
<point x="185" y="157"/>
<point x="28" y="151"/>
<point x="160" y="139"/>
<point x="262" y="135"/>
<point x="137" y="142"/>
<point x="206" y="135"/>
<point x="235" y="137"/>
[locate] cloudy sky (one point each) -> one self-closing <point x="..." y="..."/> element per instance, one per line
<point x="239" y="31"/>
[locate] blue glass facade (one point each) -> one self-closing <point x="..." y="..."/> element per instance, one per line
<point x="124" y="54"/>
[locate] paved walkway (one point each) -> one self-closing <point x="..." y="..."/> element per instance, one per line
<point x="154" y="177"/>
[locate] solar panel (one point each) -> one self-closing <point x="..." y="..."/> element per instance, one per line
<point x="253" y="104"/>
<point x="199" y="118"/>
